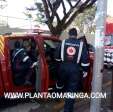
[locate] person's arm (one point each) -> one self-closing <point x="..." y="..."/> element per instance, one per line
<point x="85" y="60"/>
<point x="57" y="54"/>
<point x="27" y="60"/>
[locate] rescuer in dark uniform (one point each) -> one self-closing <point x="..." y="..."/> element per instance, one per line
<point x="22" y="63"/>
<point x="72" y="54"/>
<point x="33" y="52"/>
<point x="83" y="38"/>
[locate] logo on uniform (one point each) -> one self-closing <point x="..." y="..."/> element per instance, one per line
<point x="71" y="51"/>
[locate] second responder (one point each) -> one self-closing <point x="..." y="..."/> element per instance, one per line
<point x="22" y="64"/>
<point x="72" y="54"/>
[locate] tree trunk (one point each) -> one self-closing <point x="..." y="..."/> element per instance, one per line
<point x="57" y="31"/>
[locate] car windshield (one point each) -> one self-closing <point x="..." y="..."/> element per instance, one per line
<point x="50" y="43"/>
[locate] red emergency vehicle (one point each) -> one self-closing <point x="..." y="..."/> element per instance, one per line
<point x="45" y="76"/>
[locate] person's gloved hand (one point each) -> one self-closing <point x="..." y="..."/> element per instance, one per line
<point x="34" y="64"/>
<point x="84" y="74"/>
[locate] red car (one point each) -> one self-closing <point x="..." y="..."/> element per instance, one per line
<point x="45" y="75"/>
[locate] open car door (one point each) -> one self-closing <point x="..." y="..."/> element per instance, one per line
<point x="42" y="79"/>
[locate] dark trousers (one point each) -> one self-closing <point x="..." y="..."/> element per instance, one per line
<point x="69" y="76"/>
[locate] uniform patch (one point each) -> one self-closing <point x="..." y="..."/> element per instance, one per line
<point x="71" y="51"/>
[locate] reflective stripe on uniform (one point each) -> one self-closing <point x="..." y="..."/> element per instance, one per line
<point x="85" y="64"/>
<point x="26" y="58"/>
<point x="59" y="87"/>
<point x="58" y="59"/>
<point x="17" y="53"/>
<point x="50" y="89"/>
<point x="62" y="50"/>
<point x="80" y="52"/>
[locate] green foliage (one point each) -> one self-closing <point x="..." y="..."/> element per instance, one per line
<point x="86" y="18"/>
<point x="48" y="12"/>
<point x="39" y="13"/>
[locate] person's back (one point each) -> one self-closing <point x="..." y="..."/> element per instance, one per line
<point x="73" y="54"/>
<point x="70" y="53"/>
